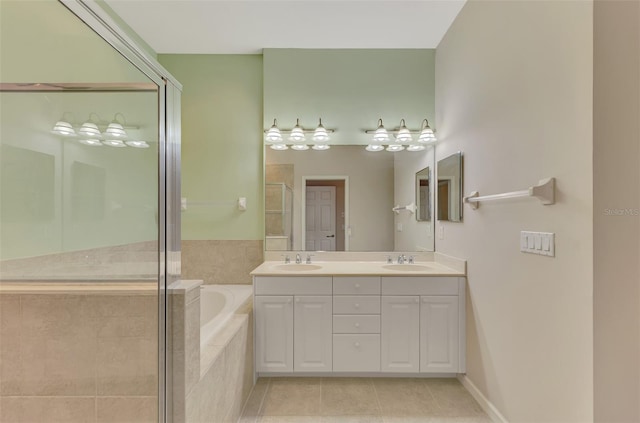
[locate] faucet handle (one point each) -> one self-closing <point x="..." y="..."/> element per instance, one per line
<point x="389" y="260"/>
<point x="410" y="259"/>
<point x="309" y="258"/>
<point x="287" y="259"/>
<point x="298" y="258"/>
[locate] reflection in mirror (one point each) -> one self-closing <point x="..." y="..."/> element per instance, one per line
<point x="450" y="188"/>
<point x="423" y="200"/>
<point x="341" y="199"/>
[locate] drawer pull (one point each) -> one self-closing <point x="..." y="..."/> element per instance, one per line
<point x="356" y="344"/>
<point x="357" y="325"/>
<point x="357" y="285"/>
<point x="289" y="301"/>
<point x="417" y="300"/>
<point x="357" y="305"/>
<point x="297" y="300"/>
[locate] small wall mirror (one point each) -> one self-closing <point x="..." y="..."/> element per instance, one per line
<point x="423" y="192"/>
<point x="449" y="190"/>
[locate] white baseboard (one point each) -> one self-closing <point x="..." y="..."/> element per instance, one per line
<point x="486" y="405"/>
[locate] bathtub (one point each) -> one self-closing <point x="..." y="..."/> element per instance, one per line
<point x="217" y="304"/>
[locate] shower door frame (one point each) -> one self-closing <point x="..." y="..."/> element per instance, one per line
<point x="169" y="92"/>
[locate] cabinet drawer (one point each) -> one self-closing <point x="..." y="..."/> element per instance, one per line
<point x="356" y="285"/>
<point x="292" y="285"/>
<point x="348" y="304"/>
<point x="419" y="285"/>
<point x="356" y="353"/>
<point x="356" y="323"/>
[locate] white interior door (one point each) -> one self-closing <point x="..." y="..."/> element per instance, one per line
<point x="320" y="219"/>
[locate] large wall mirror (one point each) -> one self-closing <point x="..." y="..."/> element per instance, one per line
<point x="342" y="199"/>
<point x="450" y="188"/>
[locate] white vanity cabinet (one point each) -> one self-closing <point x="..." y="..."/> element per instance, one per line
<point x="360" y="324"/>
<point x="293" y="318"/>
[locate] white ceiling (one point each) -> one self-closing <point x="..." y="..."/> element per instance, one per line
<point x="244" y="27"/>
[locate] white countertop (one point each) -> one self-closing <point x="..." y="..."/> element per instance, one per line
<point x="356" y="268"/>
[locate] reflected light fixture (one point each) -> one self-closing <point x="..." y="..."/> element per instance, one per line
<point x="395" y="148"/>
<point x="114" y="143"/>
<point x="297" y="133"/>
<point x="90" y="141"/>
<point x="321" y="147"/>
<point x="374" y="148"/>
<point x="299" y="147"/>
<point x="426" y="133"/>
<point x="416" y="147"/>
<point x="63" y="128"/>
<point x="320" y="134"/>
<point x="137" y="144"/>
<point x="279" y="146"/>
<point x="115" y="128"/>
<point x="273" y="134"/>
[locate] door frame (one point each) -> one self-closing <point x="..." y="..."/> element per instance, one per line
<point x="303" y="204"/>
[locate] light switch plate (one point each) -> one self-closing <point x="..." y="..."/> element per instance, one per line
<point x="542" y="243"/>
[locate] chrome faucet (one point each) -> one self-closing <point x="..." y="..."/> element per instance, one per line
<point x="298" y="259"/>
<point x="401" y="259"/>
<point x="287" y="259"/>
<point x="309" y="258"/>
<point x="410" y="259"/>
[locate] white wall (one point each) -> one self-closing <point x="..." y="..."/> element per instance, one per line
<point x="514" y="90"/>
<point x="616" y="184"/>
<point x="370" y="191"/>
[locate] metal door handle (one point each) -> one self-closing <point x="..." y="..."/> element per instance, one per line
<point x="331" y="236"/>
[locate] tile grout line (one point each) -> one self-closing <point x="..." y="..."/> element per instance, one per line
<point x="262" y="401"/>
<point x="378" y="400"/>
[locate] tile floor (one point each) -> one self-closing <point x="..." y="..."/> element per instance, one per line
<point x="361" y="400"/>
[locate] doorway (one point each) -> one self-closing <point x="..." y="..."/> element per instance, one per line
<point x="325" y="214"/>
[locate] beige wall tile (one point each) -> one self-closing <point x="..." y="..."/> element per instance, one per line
<point x="192" y="344"/>
<point x="256" y="397"/>
<point x="47" y="410"/>
<point x="127" y="410"/>
<point x="10" y="359"/>
<point x="221" y="261"/>
<point x="213" y="388"/>
<point x="127" y="366"/>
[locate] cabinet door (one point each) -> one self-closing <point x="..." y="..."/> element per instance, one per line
<point x="313" y="334"/>
<point x="400" y="334"/>
<point x="274" y="333"/>
<point x="439" y="333"/>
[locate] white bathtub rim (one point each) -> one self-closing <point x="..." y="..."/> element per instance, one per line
<point x="235" y="297"/>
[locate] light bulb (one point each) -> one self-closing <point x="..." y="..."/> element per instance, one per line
<point x="273" y="134"/>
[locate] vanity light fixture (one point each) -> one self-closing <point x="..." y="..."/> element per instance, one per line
<point x="374" y="148"/>
<point x="297" y="133"/>
<point x="90" y="129"/>
<point x="63" y="128"/>
<point x="273" y="134"/>
<point x="299" y="147"/>
<point x="381" y="135"/>
<point x="320" y="134"/>
<point x="426" y="133"/>
<point x="403" y="135"/>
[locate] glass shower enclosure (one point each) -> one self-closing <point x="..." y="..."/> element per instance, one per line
<point x="89" y="234"/>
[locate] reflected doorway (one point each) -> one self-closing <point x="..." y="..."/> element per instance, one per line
<point x="325" y="217"/>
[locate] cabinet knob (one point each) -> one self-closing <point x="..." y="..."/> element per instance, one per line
<point x="357" y="305"/>
<point x="297" y="300"/>
<point x="357" y="285"/>
<point x="356" y="344"/>
<point x="417" y="300"/>
<point x="289" y="301"/>
<point x="357" y="325"/>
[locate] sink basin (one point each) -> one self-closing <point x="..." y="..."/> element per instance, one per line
<point x="407" y="267"/>
<point x="297" y="267"/>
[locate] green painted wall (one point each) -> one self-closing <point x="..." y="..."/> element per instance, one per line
<point x="221" y="144"/>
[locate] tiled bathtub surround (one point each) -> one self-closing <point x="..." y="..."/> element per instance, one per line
<point x="75" y="355"/>
<point x="213" y="380"/>
<point x="221" y="262"/>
